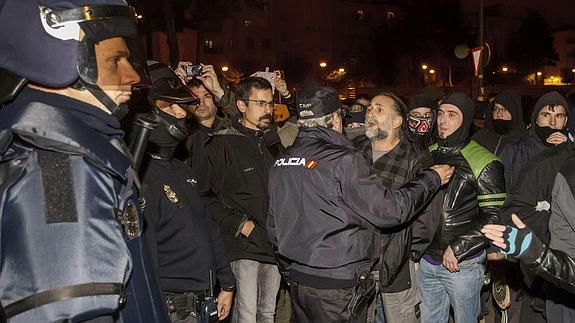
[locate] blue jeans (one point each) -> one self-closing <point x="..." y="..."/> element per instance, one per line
<point x="439" y="288"/>
<point x="257" y="286"/>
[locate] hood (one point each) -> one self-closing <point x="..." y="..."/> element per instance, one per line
<point x="512" y="102"/>
<point x="551" y="98"/>
<point x="467" y="108"/>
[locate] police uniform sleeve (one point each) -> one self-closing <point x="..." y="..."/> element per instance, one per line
<point x="152" y="213"/>
<point x="367" y="195"/>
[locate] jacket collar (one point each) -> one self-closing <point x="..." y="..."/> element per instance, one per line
<point x="325" y="134"/>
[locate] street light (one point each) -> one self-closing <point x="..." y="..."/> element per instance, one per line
<point x="539" y="73"/>
<point x="225" y="68"/>
<point x="424" y="66"/>
<point x="341" y="70"/>
<point x="573" y="70"/>
<point x="504" y="69"/>
<point x="322" y="64"/>
<point x="432" y="71"/>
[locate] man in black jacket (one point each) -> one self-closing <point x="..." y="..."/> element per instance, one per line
<point x="185" y="242"/>
<point x="396" y="160"/>
<point x="239" y="159"/>
<point x="504" y="123"/>
<point x="452" y="269"/>
<point x="548" y="123"/>
<point x="325" y="207"/>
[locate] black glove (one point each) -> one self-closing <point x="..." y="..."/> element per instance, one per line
<point x="522" y="244"/>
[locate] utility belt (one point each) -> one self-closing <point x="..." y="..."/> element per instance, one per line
<point x="185" y="304"/>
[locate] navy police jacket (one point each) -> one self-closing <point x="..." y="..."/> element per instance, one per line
<point x="325" y="206"/>
<point x="70" y="220"/>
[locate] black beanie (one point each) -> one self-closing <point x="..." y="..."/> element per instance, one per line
<point x="467" y="108"/>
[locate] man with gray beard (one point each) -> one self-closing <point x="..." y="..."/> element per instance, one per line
<point x="396" y="160"/>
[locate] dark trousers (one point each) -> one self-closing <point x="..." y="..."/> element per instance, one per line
<point x="311" y="305"/>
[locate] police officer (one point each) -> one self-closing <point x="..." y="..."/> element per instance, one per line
<point x="324" y="207"/>
<point x="72" y="248"/>
<point x="185" y="241"/>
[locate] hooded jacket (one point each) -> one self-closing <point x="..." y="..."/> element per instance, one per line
<point x="470" y="200"/>
<point x="516" y="155"/>
<point x="489" y="138"/>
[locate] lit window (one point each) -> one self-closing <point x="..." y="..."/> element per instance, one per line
<point x="390" y="15"/>
<point x="209" y="44"/>
<point x="360" y="14"/>
<point x="247" y="23"/>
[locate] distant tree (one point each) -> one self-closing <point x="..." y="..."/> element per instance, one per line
<point x="531" y="47"/>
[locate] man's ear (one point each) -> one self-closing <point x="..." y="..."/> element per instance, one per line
<point x="396" y="122"/>
<point x="241" y="106"/>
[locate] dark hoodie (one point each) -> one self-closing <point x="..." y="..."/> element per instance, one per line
<point x="492" y="138"/>
<point x="516" y="155"/>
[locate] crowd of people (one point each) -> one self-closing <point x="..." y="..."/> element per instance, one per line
<point x="204" y="205"/>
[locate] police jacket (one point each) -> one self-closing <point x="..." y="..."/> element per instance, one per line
<point x="325" y="207"/>
<point x="472" y="199"/>
<point x="70" y="216"/>
<point x="184" y="239"/>
<point x="235" y="191"/>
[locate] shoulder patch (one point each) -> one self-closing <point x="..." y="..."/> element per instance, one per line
<point x="477" y="157"/>
<point x="58" y="186"/>
<point x="433" y="147"/>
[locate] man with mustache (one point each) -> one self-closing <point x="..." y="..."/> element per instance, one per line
<point x="396" y="160"/>
<point x="238" y="161"/>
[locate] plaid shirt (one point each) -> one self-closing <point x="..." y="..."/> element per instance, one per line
<point x="399" y="165"/>
<point x="395" y="168"/>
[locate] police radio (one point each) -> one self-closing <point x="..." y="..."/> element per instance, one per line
<point x="209" y="307"/>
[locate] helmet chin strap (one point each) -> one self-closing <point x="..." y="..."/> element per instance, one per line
<point x="118" y="111"/>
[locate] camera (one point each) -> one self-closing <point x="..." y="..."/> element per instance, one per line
<point x="193" y="70"/>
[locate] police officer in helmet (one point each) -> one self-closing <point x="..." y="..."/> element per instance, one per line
<point x="71" y="225"/>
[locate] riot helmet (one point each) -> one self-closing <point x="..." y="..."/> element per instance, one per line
<point x="168" y="88"/>
<point x="56" y="43"/>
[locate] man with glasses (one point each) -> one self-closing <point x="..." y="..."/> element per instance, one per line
<point x="504" y="124"/>
<point x="238" y="161"/>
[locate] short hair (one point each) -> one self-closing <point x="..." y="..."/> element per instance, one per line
<point x="399" y="108"/>
<point x="195" y="83"/>
<point x="244" y="88"/>
<point x="323" y="121"/>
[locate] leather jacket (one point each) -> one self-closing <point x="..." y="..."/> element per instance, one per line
<point x="472" y="199"/>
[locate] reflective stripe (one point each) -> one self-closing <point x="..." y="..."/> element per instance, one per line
<point x="494" y="203"/>
<point x="491" y="196"/>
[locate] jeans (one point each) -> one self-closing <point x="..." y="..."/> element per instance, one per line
<point x="439" y="288"/>
<point x="257" y="286"/>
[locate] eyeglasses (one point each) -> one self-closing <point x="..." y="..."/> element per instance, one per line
<point x="261" y="104"/>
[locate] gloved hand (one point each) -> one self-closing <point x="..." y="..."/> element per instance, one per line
<point x="518" y="242"/>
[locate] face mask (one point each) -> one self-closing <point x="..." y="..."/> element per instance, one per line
<point x="502" y="126"/>
<point x="544" y="132"/>
<point x="419" y="126"/>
